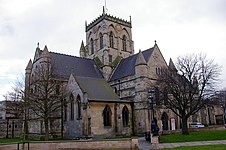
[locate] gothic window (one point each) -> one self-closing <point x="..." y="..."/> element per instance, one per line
<point x="65" y="109"/>
<point x="72" y="107"/>
<point x="116" y="91"/>
<point x="92" y="46"/>
<point x="110" y="58"/>
<point x="111" y="39"/>
<point x="125" y="116"/>
<point x="78" y="106"/>
<point x="101" y="41"/>
<point x="107" y="116"/>
<point x="157" y="100"/>
<point x="124" y="43"/>
<point x="57" y="89"/>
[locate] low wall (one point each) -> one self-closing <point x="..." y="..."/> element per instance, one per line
<point x="74" y="145"/>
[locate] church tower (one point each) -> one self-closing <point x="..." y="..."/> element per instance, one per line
<point x="108" y="39"/>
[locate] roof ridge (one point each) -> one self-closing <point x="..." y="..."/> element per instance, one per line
<point x="90" y="77"/>
<point x="138" y="53"/>
<point x="70" y="55"/>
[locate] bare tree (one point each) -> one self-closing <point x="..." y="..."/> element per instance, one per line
<point x="188" y="86"/>
<point x="46" y="95"/>
<point x="15" y="100"/>
<point x="220" y="98"/>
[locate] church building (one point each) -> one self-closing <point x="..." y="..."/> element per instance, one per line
<point x="107" y="86"/>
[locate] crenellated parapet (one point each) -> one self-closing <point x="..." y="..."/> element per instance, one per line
<point x="109" y="18"/>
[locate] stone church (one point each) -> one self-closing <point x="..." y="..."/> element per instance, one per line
<point x="107" y="86"/>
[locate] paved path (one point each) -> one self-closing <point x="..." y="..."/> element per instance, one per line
<point x="145" y="145"/>
<point x="172" y="145"/>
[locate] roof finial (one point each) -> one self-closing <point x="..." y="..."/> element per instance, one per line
<point x="38" y="45"/>
<point x="155" y="42"/>
<point x="105" y="7"/>
<point x="130" y="20"/>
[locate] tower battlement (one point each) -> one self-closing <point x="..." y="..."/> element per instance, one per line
<point x="109" y="18"/>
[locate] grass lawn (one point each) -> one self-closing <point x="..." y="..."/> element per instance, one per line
<point x="10" y="140"/>
<point x="194" y="136"/>
<point x="203" y="147"/>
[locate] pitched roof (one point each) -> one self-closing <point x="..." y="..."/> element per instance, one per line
<point x="126" y="66"/>
<point x="97" y="89"/>
<point x="140" y="59"/>
<point x="64" y="65"/>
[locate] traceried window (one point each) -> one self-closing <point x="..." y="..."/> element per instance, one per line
<point x="92" y="46"/>
<point x="101" y="41"/>
<point x="125" y="116"/>
<point x="78" y="107"/>
<point x="107" y="116"/>
<point x="72" y="107"/>
<point x="111" y="39"/>
<point x="124" y="43"/>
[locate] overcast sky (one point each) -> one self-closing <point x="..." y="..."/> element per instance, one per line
<point x="179" y="26"/>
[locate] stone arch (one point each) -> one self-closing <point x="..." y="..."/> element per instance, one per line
<point x="164" y="119"/>
<point x="125" y="40"/>
<point x="125" y="32"/>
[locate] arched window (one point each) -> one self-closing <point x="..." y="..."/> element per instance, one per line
<point x="78" y="106"/>
<point x="125" y="116"/>
<point x="65" y="109"/>
<point x="107" y="116"/>
<point x="92" y="46"/>
<point x="101" y="41"/>
<point x="124" y="43"/>
<point x="58" y="89"/>
<point x="157" y="100"/>
<point x="72" y="107"/>
<point x="111" y="39"/>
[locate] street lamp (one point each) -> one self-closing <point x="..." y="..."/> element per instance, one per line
<point x="152" y="102"/>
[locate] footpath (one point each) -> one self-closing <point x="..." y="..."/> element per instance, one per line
<point x="145" y="145"/>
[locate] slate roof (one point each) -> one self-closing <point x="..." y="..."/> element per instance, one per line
<point x="64" y="65"/>
<point x="126" y="66"/>
<point x="97" y="89"/>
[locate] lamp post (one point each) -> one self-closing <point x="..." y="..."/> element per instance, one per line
<point x="152" y="102"/>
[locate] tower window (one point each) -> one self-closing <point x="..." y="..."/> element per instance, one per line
<point x="107" y="116"/>
<point x="101" y="41"/>
<point x="124" y="43"/>
<point x="125" y="116"/>
<point x="111" y="39"/>
<point x="92" y="46"/>
<point x="72" y="107"/>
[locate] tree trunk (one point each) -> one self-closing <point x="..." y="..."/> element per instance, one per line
<point x="185" y="126"/>
<point x="25" y="118"/>
<point x="46" y="122"/>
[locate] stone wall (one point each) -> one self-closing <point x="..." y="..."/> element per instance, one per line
<point x="98" y="129"/>
<point x="14" y="128"/>
<point x="75" y="145"/>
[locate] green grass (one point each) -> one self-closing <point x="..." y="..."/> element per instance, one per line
<point x="194" y="136"/>
<point x="10" y="140"/>
<point x="203" y="147"/>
